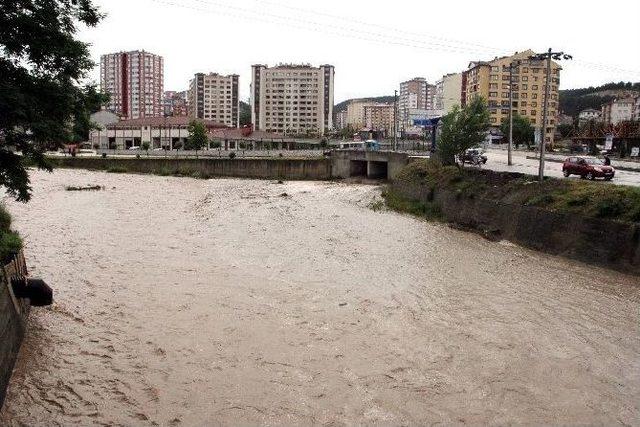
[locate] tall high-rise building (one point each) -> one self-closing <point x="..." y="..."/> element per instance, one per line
<point x="215" y="97"/>
<point x="135" y="83"/>
<point x="292" y="99"/>
<point x="490" y="80"/>
<point x="415" y="94"/>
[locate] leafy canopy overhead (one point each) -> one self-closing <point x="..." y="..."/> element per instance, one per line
<point x="43" y="103"/>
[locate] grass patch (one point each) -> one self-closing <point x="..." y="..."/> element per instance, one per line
<point x="398" y="203"/>
<point x="10" y="241"/>
<point x="585" y="198"/>
<point x="116" y="169"/>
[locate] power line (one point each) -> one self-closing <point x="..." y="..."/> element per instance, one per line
<point x="371" y="36"/>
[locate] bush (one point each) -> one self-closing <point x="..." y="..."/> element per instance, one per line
<point x="232" y="155"/>
<point x="116" y="169"/>
<point x="5" y="220"/>
<point x="10" y="244"/>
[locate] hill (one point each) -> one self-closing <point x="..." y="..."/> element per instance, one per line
<point x="343" y="105"/>
<point x="572" y="101"/>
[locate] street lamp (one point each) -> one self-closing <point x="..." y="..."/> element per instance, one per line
<point x="548" y="55"/>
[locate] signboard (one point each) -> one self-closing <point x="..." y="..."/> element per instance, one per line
<point x="635" y="151"/>
<point x="608" y="143"/>
<point x="536" y="136"/>
<point x="426" y="122"/>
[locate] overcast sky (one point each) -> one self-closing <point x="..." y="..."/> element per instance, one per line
<point x="373" y="45"/>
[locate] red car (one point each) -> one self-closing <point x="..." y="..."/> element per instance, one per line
<point x="587" y="167"/>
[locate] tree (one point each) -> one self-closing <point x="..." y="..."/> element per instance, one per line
<point x="245" y="113"/>
<point x="462" y="129"/>
<point x="197" y="136"/>
<point x="42" y="103"/>
<point x="522" y="130"/>
<point x="146" y="146"/>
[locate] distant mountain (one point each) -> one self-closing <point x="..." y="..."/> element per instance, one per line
<point x="572" y="101"/>
<point x="343" y="105"/>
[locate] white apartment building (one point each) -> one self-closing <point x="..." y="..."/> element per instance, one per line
<point x="292" y="99"/>
<point x="135" y="83"/>
<point x="414" y="94"/>
<point x="588" y="115"/>
<point x="618" y="110"/>
<point x="448" y="92"/>
<point x="215" y="97"/>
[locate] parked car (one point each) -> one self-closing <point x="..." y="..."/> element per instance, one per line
<point x="474" y="156"/>
<point x="134" y="147"/>
<point x="587" y="167"/>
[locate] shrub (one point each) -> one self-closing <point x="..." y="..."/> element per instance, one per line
<point x="10" y="244"/>
<point x="5" y="219"/>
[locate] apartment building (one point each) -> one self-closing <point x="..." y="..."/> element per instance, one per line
<point x="379" y="117"/>
<point x="415" y="94"/>
<point x="292" y="99"/>
<point x="215" y="97"/>
<point x="636" y="110"/>
<point x="490" y="80"/>
<point x="355" y="113"/>
<point x="340" y="121"/>
<point x="448" y="92"/>
<point x="618" y="110"/>
<point x="135" y="83"/>
<point x="175" y="103"/>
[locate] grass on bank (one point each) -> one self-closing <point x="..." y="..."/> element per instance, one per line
<point x="585" y="198"/>
<point x="10" y="241"/>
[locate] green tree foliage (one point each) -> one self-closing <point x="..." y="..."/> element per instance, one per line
<point x="245" y="113"/>
<point x="522" y="130"/>
<point x="462" y="129"/>
<point x="197" y="136"/>
<point x="42" y="103"/>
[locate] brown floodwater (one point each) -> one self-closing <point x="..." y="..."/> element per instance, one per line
<point x="184" y="302"/>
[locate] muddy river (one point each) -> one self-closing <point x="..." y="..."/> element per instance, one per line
<point x="183" y="302"/>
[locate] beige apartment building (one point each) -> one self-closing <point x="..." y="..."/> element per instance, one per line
<point x="618" y="110"/>
<point x="355" y="113"/>
<point x="379" y="117"/>
<point x="292" y="99"/>
<point x="448" y="92"/>
<point x="135" y="83"/>
<point x="215" y="97"/>
<point x="490" y="80"/>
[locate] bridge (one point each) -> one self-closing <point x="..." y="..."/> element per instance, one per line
<point x="369" y="164"/>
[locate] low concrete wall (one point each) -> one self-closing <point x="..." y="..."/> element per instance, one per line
<point x="597" y="241"/>
<point x="302" y="169"/>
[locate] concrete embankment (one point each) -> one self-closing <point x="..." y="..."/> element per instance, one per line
<point x="302" y="169"/>
<point x="604" y="242"/>
<point x="13" y="318"/>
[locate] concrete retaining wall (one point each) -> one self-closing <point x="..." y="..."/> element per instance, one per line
<point x="13" y="319"/>
<point x="302" y="169"/>
<point x="597" y="241"/>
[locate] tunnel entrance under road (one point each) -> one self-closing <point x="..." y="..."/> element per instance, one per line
<point x="377" y="170"/>
<point x="358" y="168"/>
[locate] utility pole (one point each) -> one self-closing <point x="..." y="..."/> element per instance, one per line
<point x="395" y="120"/>
<point x="509" y="162"/>
<point x="548" y="55"/>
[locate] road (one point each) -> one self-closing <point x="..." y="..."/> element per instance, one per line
<point x="498" y="162"/>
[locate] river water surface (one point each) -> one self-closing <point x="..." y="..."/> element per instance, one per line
<point x="183" y="302"/>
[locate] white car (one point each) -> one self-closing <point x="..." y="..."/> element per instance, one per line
<point x="134" y="147"/>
